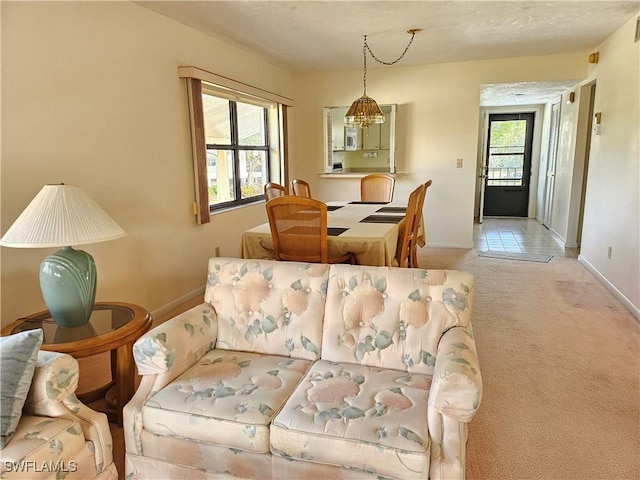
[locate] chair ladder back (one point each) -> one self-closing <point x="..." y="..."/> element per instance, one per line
<point x="407" y="233"/>
<point x="298" y="229"/>
<point x="273" y="190"/>
<point x="377" y="187"/>
<point x="418" y="220"/>
<point x="300" y="188"/>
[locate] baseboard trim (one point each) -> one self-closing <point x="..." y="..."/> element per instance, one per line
<point x="635" y="311"/>
<point x="158" y="313"/>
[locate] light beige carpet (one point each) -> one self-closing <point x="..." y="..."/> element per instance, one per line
<point x="560" y="361"/>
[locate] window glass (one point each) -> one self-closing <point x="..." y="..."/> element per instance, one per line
<point x="253" y="171"/>
<point x="237" y="150"/>
<point x="506" y="153"/>
<point x="220" y="176"/>
<point x="217" y="121"/>
<point x="251" y="125"/>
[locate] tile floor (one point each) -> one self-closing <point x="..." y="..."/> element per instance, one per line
<point x="518" y="235"/>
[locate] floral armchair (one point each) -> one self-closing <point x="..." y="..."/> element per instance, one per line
<point x="57" y="435"/>
<point x="293" y="370"/>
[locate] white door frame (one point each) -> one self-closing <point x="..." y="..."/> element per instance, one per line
<point x="551" y="164"/>
<point x="535" y="151"/>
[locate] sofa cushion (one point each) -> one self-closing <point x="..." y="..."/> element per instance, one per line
<point x="355" y="416"/>
<point x="392" y="317"/>
<point x="226" y="398"/>
<point x="268" y="307"/>
<point x="42" y="441"/>
<point x="200" y="456"/>
<point x="18" y="354"/>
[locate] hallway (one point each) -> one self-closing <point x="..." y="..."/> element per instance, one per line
<point x="515" y="234"/>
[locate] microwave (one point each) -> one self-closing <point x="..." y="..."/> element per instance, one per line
<point x="350" y="139"/>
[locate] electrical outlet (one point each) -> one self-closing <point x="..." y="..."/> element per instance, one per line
<point x="459" y="163"/>
<point x="609" y="252"/>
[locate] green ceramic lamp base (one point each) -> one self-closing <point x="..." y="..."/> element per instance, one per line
<point x="68" y="284"/>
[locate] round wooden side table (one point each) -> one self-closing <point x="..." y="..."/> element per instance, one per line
<point x="112" y="327"/>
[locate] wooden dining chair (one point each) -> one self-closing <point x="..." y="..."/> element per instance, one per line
<point x="413" y="251"/>
<point x="300" y="188"/>
<point x="299" y="230"/>
<point x="377" y="187"/>
<point x="408" y="232"/>
<point x="273" y="190"/>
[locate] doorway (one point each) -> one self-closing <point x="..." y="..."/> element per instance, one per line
<point x="508" y="164"/>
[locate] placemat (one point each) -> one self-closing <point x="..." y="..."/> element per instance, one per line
<point x="335" y="231"/>
<point x="392" y="209"/>
<point x="331" y="208"/>
<point x="368" y="203"/>
<point x="382" y="219"/>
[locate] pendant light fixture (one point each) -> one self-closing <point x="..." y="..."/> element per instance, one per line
<point x="365" y="111"/>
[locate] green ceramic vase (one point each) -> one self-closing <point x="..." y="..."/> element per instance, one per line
<point x="68" y="284"/>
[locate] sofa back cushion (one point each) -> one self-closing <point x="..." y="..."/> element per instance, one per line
<point x="265" y="306"/>
<point x="393" y="317"/>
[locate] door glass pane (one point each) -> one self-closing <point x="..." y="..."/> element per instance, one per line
<point x="251" y="125"/>
<point x="217" y="122"/>
<point x="220" y="176"/>
<point x="253" y="172"/>
<point x="506" y="152"/>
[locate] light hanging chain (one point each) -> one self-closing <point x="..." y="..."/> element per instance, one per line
<point x="366" y="47"/>
<point x="365" y="111"/>
<point x="364" y="54"/>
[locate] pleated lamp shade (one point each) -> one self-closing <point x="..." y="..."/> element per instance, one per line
<point x="64" y="216"/>
<point x="61" y="215"/>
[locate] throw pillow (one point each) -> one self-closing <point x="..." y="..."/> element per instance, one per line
<point x="18" y="354"/>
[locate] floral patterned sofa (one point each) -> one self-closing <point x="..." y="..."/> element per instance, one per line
<point x="293" y="370"/>
<point x="58" y="436"/>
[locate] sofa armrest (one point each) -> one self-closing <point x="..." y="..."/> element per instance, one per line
<point x="52" y="394"/>
<point x="169" y="349"/>
<point x="54" y="379"/>
<point x="161" y="355"/>
<point x="456" y="390"/>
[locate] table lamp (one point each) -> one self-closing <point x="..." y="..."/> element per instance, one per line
<point x="64" y="216"/>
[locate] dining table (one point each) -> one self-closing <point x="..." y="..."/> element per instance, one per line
<point x="369" y="230"/>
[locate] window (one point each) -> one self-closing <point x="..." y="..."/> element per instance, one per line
<point x="507" y="152"/>
<point x="237" y="149"/>
<point x="238" y="137"/>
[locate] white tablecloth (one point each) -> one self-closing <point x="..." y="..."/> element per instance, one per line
<point x="372" y="243"/>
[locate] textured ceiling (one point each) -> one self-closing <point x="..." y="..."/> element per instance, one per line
<point x="314" y="36"/>
<point x="529" y="93"/>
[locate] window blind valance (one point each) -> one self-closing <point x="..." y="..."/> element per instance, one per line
<point x="231" y="87"/>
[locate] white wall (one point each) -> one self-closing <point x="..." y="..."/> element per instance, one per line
<point x="91" y="97"/>
<point x="438" y="111"/>
<point x="612" y="205"/>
